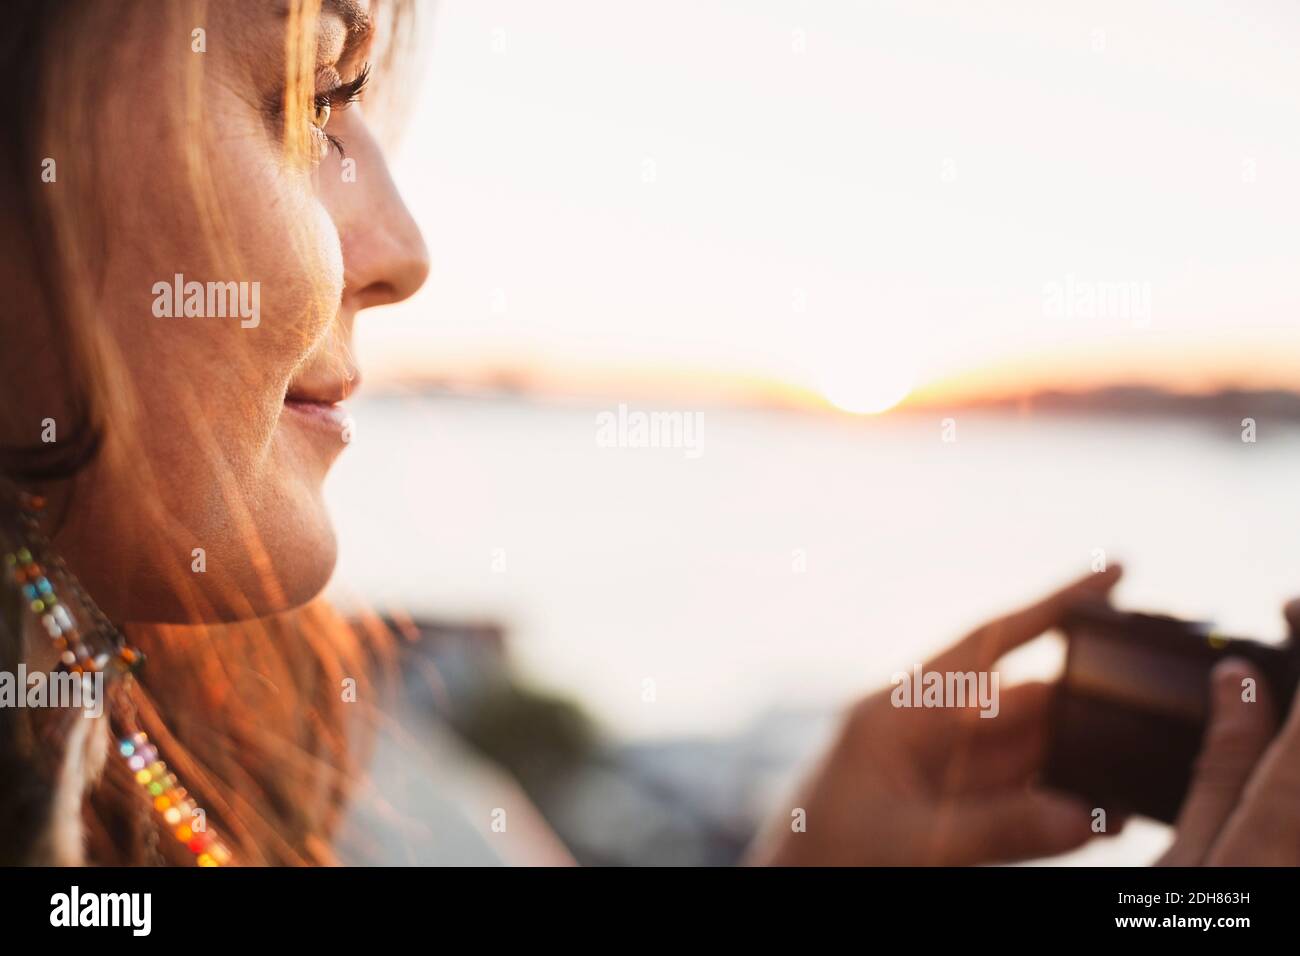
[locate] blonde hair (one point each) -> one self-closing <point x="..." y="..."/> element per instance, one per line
<point x="249" y="714"/>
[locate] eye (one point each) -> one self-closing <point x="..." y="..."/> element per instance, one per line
<point x="321" y="111"/>
<point x="326" y="101"/>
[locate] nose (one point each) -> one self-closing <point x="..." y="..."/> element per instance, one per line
<point x="384" y="256"/>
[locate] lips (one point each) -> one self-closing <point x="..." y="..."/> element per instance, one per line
<point x="323" y="390"/>
<point x="315" y="400"/>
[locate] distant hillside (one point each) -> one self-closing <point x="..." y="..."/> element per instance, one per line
<point x="1144" y="400"/>
<point x="513" y="385"/>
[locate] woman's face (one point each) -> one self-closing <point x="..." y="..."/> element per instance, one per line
<point x="237" y="415"/>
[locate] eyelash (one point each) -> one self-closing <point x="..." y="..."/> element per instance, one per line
<point x="340" y="97"/>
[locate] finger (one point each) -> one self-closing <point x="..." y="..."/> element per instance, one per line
<point x="978" y="753"/>
<point x="1262" y="828"/>
<point x="1008" y="750"/>
<point x="1292" y="614"/>
<point x="996" y="765"/>
<point x="1020" y="707"/>
<point x="1003" y="713"/>
<point x="1265" y="829"/>
<point x="1017" y="826"/>
<point x="982" y="648"/>
<point x="956" y="745"/>
<point x="1239" y="732"/>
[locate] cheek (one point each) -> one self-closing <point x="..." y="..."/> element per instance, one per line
<point x="259" y="226"/>
<point x="328" y="256"/>
<point x="195" y="447"/>
<point x="299" y="263"/>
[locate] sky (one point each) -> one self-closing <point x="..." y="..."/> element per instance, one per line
<point x="863" y="199"/>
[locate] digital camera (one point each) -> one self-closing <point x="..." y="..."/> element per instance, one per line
<point x="1129" y="714"/>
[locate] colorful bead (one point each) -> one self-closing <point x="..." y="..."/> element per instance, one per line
<point x="170" y="800"/>
<point x="37" y="590"/>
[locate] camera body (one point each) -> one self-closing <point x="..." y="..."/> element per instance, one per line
<point x="1129" y="713"/>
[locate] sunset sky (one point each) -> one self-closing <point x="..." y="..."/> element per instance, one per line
<point x="862" y="199"/>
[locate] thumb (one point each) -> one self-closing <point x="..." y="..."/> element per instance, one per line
<point x="1291" y="611"/>
<point x="1238" y="733"/>
<point x="1015" y="826"/>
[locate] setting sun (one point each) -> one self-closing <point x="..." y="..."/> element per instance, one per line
<point x="865" y="387"/>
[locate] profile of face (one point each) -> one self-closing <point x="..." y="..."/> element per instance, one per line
<point x="230" y="275"/>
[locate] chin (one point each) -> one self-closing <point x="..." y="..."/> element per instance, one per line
<point x="306" y="569"/>
<point x="293" y="551"/>
<point x="301" y="548"/>
<point x="286" y="564"/>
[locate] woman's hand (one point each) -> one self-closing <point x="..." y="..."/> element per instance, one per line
<point x="1243" y="808"/>
<point x="942" y="786"/>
